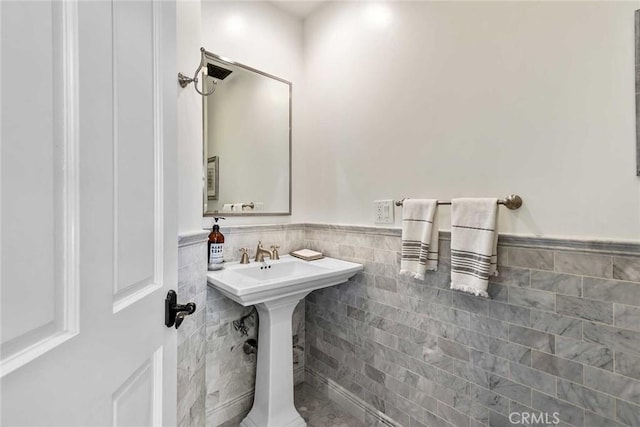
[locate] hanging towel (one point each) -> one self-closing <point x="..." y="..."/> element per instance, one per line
<point x="236" y="207"/>
<point x="474" y="244"/>
<point x="419" y="237"/>
<point x="227" y="207"/>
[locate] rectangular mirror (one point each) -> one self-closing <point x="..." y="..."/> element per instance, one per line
<point x="246" y="140"/>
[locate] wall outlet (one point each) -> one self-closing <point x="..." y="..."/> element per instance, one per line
<point x="383" y="212"/>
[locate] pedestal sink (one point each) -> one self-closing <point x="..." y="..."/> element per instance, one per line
<point x="275" y="287"/>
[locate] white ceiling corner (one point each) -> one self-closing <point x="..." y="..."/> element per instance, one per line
<point x="298" y="8"/>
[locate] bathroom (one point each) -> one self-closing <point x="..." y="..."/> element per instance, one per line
<point x="389" y="100"/>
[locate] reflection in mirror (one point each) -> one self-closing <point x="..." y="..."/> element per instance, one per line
<point x="247" y="141"/>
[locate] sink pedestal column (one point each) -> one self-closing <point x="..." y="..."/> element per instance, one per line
<point x="273" y="400"/>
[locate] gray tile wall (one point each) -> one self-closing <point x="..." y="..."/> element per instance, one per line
<point x="192" y="286"/>
<point x="561" y="333"/>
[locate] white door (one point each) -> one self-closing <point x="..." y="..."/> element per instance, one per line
<point x="88" y="213"/>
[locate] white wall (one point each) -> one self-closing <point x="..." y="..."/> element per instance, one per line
<point x="189" y="111"/>
<point x="262" y="36"/>
<point x="450" y="99"/>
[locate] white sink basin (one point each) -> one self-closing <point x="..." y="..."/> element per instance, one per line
<point x="253" y="283"/>
<point x="276" y="287"/>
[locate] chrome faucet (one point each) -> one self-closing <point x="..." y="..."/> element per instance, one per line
<point x="261" y="252"/>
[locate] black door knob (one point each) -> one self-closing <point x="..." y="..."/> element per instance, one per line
<point x="175" y="313"/>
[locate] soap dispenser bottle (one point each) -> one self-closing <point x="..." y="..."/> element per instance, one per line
<point x="216" y="247"/>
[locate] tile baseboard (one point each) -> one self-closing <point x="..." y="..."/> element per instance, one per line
<point x="351" y="403"/>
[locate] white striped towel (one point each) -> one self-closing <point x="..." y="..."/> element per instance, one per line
<point x="474" y="244"/>
<point x="419" y="237"/>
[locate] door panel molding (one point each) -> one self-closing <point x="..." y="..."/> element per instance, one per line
<point x="143" y="386"/>
<point x="126" y="294"/>
<point x="66" y="323"/>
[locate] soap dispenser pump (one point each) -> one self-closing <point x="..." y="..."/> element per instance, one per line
<point x="216" y="247"/>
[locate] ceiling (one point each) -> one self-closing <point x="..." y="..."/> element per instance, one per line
<point x="300" y="9"/>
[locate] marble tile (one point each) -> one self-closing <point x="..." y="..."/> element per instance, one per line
<point x="533" y="378"/>
<point x="566" y="412"/>
<point x="586" y="398"/>
<point x="498" y="292"/>
<point x="346" y="251"/>
<point x="493" y="382"/>
<point x="489" y="326"/>
<point x="556" y="324"/>
<point x="628" y="364"/>
<point x="615" y="338"/>
<point x="512" y="276"/>
<point x="420" y="334"/>
<point x="374" y="399"/>
<point x="191" y="335"/>
<point x="475" y="407"/>
<point x="567" y="284"/>
<point x="501" y="348"/>
<point x="626" y="268"/>
<point x="531" y="298"/>
<point x="197" y="411"/>
<point x="612" y="291"/>
<point x="355" y="313"/>
<point x="509" y="313"/>
<point x="584" y="308"/>
<point x="537" y="259"/>
<point x="385" y="256"/>
<point x="399" y="416"/>
<point x="453" y="349"/>
<point x="587" y="353"/>
<point x="499" y="420"/>
<point x="490" y="400"/>
<point x="318" y="411"/>
<point x="626" y="317"/>
<point x="456" y="317"/>
<point x="452" y="416"/>
<point x="510" y="389"/>
<point x="470" y="303"/>
<point x="557" y="366"/>
<point x="616" y="385"/>
<point x="489" y="362"/>
<point x="584" y="264"/>
<point x="532" y="338"/>
<point x="628" y="413"/>
<point x="595" y="420"/>
<point x="374" y="374"/>
<point x="503" y="256"/>
<point x="430" y="419"/>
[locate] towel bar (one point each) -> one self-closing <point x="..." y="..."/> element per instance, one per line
<point x="512" y="201"/>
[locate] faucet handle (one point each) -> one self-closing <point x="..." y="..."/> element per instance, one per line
<point x="260" y="244"/>
<point x="274" y="252"/>
<point x="245" y="256"/>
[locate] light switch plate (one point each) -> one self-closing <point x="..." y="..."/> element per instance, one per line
<point x="383" y="212"/>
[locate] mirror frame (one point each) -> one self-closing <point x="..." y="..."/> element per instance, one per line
<point x="637" y="37"/>
<point x="205" y="213"/>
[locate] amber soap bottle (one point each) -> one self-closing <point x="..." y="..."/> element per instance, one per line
<point x="216" y="247"/>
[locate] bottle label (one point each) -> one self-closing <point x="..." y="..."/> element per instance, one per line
<point x="215" y="253"/>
